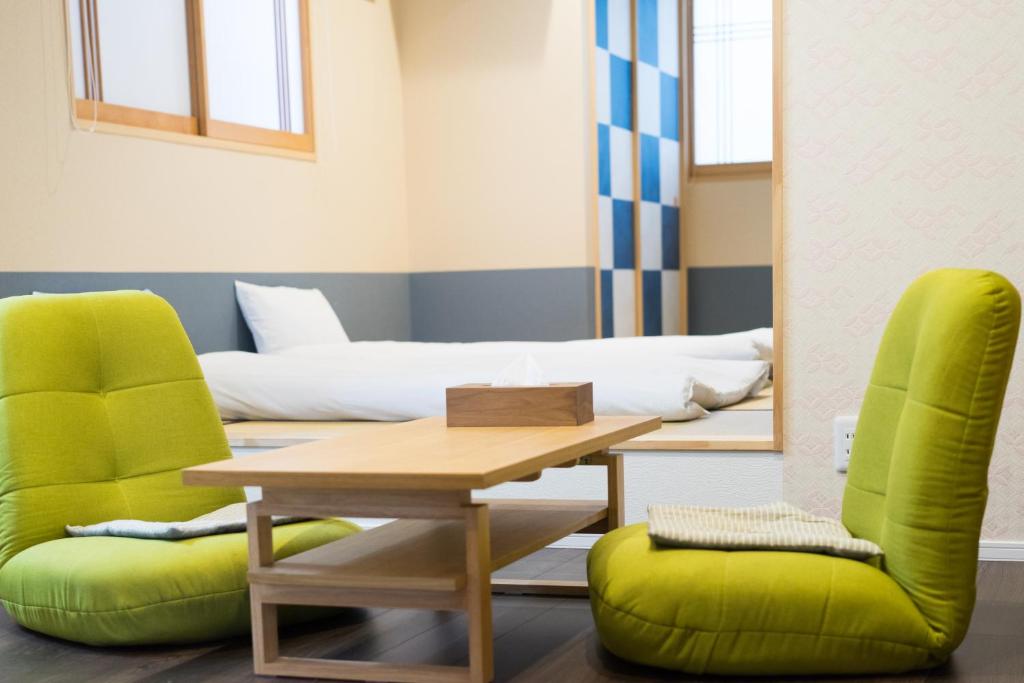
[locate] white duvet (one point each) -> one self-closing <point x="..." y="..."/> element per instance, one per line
<point x="678" y="378"/>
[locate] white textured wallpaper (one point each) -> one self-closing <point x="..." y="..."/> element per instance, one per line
<point x="904" y="152"/>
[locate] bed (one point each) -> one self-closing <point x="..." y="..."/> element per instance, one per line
<point x="307" y="369"/>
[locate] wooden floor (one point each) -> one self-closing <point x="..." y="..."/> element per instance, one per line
<point x="537" y="640"/>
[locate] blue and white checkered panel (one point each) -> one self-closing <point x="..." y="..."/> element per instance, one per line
<point x="607" y="305"/>
<point x="615" y="206"/>
<point x="618" y="303"/>
<point x="670" y="304"/>
<point x="623" y="302"/>
<point x="668" y="37"/>
<point x="658" y="123"/>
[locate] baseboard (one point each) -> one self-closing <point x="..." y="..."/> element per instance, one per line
<point x="573" y="541"/>
<point x="988" y="551"/>
<point x="1001" y="551"/>
<point x="576" y="541"/>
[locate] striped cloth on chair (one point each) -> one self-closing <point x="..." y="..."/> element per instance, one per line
<point x="778" y="526"/>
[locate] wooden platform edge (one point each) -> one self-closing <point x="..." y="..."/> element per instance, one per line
<point x="301" y="433"/>
<point x="730" y="444"/>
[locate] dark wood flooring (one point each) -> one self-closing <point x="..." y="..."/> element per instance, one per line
<point x="537" y="639"/>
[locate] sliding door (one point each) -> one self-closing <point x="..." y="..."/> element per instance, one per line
<point x="616" y="205"/>
<point x="657" y="96"/>
<point x="637" y="76"/>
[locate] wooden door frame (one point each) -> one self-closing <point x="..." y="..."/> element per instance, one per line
<point x="778" y="226"/>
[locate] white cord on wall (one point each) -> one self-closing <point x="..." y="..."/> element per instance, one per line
<point x="69" y="75"/>
<point x="57" y="138"/>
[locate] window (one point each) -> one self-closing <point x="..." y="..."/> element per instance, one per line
<point x="232" y="70"/>
<point x="730" y="85"/>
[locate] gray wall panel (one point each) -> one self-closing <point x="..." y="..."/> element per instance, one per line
<point x="729" y="298"/>
<point x="370" y="305"/>
<point x="543" y="304"/>
<point x="530" y="304"/>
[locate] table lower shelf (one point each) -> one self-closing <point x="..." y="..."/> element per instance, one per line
<point x="429" y="555"/>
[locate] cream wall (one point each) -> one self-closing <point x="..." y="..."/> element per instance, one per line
<point x="477" y="73"/>
<point x="97" y="202"/>
<point x="904" y="124"/>
<point x="727" y="221"/>
<point x="497" y="132"/>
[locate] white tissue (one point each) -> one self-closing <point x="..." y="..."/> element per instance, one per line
<point x="522" y="372"/>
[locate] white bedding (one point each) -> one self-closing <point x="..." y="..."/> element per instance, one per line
<point x="678" y="378"/>
<point x="748" y="345"/>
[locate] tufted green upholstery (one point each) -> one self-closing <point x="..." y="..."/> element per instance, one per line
<point x="917" y="483"/>
<point x="917" y="486"/>
<point x="102" y="403"/>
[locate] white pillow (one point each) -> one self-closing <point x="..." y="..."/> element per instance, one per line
<point x="282" y="317"/>
<point x="763" y="339"/>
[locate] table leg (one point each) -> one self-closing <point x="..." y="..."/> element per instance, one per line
<point x="613" y="464"/>
<point x="473" y="520"/>
<point x="264" y="615"/>
<point x="478" y="594"/>
<point x="616" y="492"/>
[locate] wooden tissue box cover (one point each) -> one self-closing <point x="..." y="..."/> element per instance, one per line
<point x="557" y="405"/>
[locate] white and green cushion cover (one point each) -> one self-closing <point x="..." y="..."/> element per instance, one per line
<point x="778" y="526"/>
<point x="226" y="520"/>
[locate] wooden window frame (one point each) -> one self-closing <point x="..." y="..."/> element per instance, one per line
<point x="694" y="169"/>
<point x="200" y="128"/>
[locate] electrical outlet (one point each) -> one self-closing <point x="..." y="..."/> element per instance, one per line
<point x="843" y="429"/>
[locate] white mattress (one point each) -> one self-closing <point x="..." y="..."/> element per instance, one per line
<point x="748" y="345"/>
<point x="678" y="378"/>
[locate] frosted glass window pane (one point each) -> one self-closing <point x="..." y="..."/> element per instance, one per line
<point x="144" y="54"/>
<point x="293" y="66"/>
<point x="75" y="29"/>
<point x="732" y="81"/>
<point x="254" y="63"/>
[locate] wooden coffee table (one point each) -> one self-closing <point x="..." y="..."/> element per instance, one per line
<point x="441" y="550"/>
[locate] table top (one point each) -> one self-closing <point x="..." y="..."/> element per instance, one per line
<point x="724" y="430"/>
<point x="421" y="455"/>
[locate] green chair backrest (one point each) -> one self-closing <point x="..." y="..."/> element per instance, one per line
<point x="918" y="474"/>
<point x="102" y="403"/>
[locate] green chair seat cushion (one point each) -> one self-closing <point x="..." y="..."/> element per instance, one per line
<point x="116" y="591"/>
<point x="751" y="612"/>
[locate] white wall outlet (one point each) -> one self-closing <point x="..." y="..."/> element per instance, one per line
<point x="843" y="429"/>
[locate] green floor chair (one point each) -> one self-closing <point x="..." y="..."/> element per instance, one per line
<point x="917" y="486"/>
<point x="102" y="403"/>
